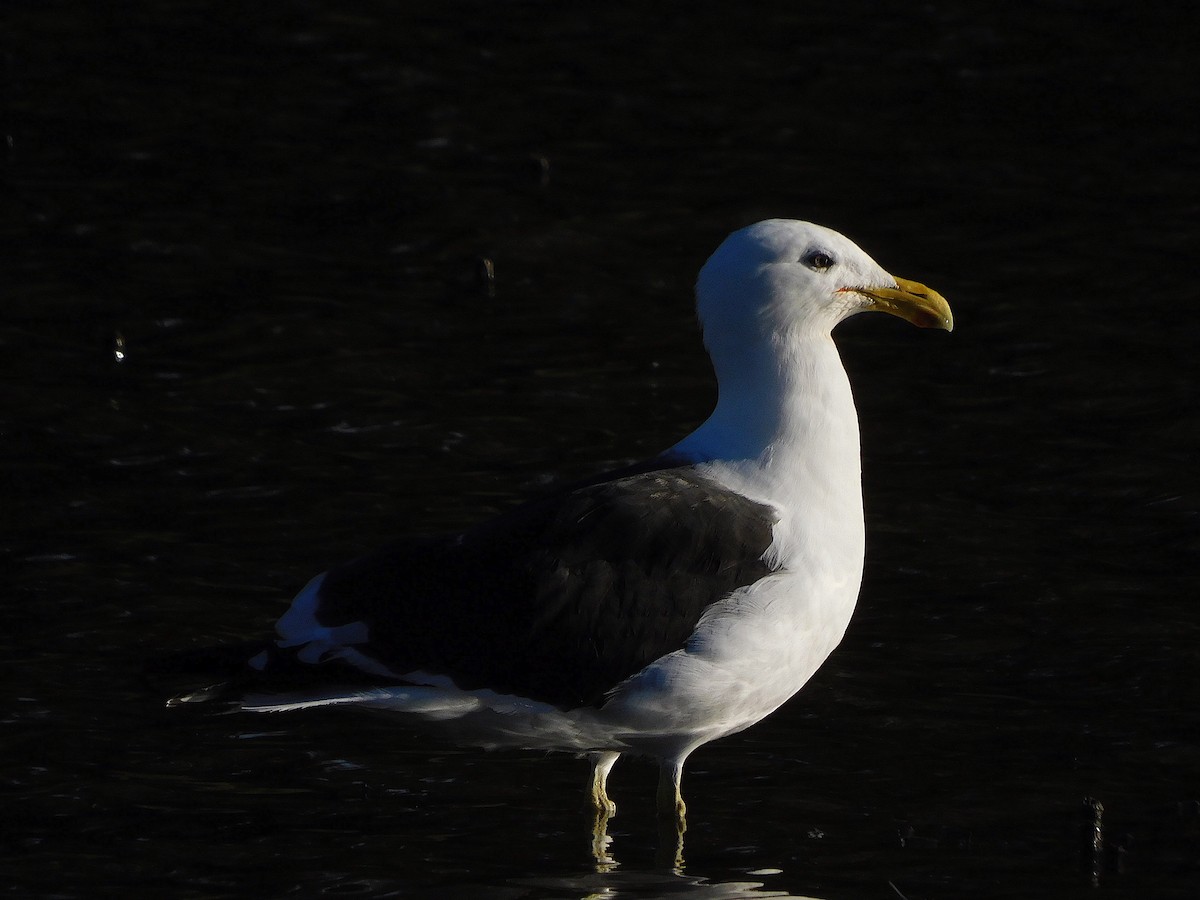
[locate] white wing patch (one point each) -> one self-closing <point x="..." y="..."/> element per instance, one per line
<point x="299" y="626"/>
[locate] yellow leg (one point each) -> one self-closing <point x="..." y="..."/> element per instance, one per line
<point x="602" y="763"/>
<point x="669" y="799"/>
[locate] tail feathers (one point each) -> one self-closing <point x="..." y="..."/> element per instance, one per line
<point x="429" y="702"/>
<point x="225" y="691"/>
<point x="264" y="677"/>
<point x="225" y="667"/>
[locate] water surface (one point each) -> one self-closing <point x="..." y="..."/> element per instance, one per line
<point x="276" y="217"/>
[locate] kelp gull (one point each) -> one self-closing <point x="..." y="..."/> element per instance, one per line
<point x="652" y="609"/>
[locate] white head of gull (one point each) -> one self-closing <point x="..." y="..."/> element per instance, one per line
<point x="652" y="609"/>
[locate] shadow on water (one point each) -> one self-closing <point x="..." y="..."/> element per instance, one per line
<point x="279" y="217"/>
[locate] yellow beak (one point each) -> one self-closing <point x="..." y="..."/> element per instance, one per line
<point x="912" y="301"/>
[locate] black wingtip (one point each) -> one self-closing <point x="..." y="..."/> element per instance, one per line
<point x="224" y="668"/>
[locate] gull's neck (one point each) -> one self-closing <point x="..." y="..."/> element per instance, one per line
<point x="777" y="407"/>
<point x="785" y="432"/>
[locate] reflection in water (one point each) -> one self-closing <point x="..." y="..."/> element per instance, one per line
<point x="650" y="885"/>
<point x="668" y="853"/>
<point x="602" y="842"/>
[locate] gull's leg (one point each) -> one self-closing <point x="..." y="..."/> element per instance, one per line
<point x="602" y="807"/>
<point x="669" y="799"/>
<point x="602" y="763"/>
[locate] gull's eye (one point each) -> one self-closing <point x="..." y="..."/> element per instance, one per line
<point x="818" y="260"/>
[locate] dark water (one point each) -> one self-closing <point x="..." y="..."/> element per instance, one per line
<point x="277" y="213"/>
